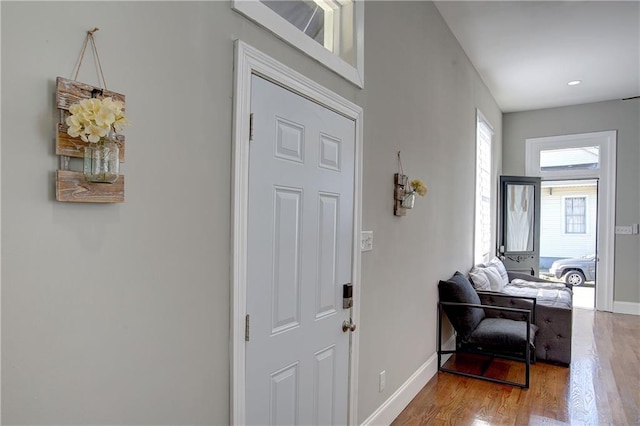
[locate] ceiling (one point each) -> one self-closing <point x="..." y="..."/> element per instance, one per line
<point x="527" y="51"/>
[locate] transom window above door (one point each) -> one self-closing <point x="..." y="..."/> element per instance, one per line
<point x="330" y="31"/>
<point x="581" y="157"/>
<point x="312" y="18"/>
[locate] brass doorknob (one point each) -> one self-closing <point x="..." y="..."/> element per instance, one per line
<point x="347" y="325"/>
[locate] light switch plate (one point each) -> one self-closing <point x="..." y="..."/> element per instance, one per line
<point x="366" y="241"/>
<point x="624" y="230"/>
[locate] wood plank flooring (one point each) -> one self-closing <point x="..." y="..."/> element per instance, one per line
<point x="601" y="387"/>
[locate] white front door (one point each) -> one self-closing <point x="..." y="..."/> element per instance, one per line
<point x="299" y="255"/>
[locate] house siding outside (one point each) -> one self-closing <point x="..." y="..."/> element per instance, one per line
<point x="555" y="242"/>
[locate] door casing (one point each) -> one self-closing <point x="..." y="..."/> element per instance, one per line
<point x="606" y="175"/>
<point x="248" y="61"/>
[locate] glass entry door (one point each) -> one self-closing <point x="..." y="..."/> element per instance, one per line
<point x="519" y="239"/>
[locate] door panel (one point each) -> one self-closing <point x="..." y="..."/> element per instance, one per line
<point x="284" y="396"/>
<point x="327" y="254"/>
<point x="519" y="246"/>
<point x="325" y="383"/>
<point x="286" y="259"/>
<point x="299" y="254"/>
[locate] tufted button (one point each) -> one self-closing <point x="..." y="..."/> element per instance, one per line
<point x="547" y="321"/>
<point x="559" y="336"/>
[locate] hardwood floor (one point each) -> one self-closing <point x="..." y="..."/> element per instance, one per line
<point x="601" y="387"/>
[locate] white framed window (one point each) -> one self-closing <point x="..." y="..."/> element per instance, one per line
<point x="330" y="31"/>
<point x="483" y="230"/>
<point x="575" y="215"/>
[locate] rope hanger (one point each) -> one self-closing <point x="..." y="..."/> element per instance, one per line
<point x="400" y="171"/>
<point x="87" y="39"/>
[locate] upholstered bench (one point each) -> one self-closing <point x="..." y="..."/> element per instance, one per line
<point x="554" y="309"/>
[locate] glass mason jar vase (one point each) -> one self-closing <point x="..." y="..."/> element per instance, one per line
<point x="102" y="160"/>
<point x="409" y="200"/>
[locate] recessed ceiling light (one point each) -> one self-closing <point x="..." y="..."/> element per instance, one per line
<point x="574" y="82"/>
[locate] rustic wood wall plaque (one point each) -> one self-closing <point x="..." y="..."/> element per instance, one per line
<point x="72" y="186"/>
<point x="400" y="182"/>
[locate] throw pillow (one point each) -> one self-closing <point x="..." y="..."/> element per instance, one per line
<point x="464" y="319"/>
<point x="479" y="279"/>
<point x="499" y="266"/>
<point x="495" y="281"/>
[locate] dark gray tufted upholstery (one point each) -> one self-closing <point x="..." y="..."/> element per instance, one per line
<point x="553" y="341"/>
<point x="555" y="324"/>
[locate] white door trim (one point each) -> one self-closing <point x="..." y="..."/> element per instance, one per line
<point x="248" y="61"/>
<point x="606" y="196"/>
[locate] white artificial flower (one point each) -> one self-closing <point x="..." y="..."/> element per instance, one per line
<point x="92" y="119"/>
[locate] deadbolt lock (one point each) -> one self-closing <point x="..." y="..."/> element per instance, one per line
<point x="347" y="296"/>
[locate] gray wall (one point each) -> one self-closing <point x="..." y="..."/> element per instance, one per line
<point x="623" y="116"/>
<point x="119" y="314"/>
<point x="420" y="97"/>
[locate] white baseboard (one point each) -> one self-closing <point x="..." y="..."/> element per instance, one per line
<point x="626" y="308"/>
<point x="389" y="410"/>
<point x="393" y="406"/>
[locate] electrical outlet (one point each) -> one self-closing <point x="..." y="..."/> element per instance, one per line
<point x="382" y="382"/>
<point x="366" y="241"/>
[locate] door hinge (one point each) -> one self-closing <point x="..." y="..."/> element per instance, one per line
<point x="251" y="126"/>
<point x="246" y="328"/>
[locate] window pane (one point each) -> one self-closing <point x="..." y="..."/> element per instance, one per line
<point x="575" y="210"/>
<point x="570" y="159"/>
<point x="483" y="243"/>
<point x="307" y="16"/>
<point x="519" y="217"/>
